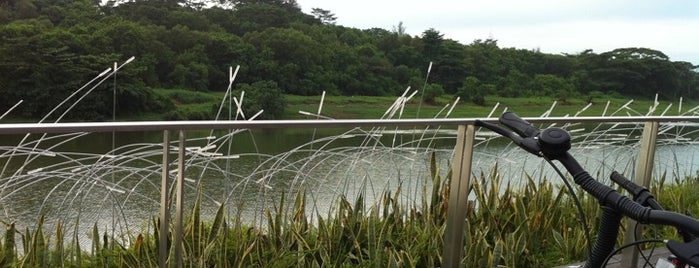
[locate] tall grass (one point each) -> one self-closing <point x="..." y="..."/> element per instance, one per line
<point x="529" y="224"/>
<point x="532" y="226"/>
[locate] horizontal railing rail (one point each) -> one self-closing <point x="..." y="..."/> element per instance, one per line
<point x="24" y="128"/>
<point x="461" y="169"/>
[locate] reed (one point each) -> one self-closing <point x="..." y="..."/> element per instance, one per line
<point x="530" y="226"/>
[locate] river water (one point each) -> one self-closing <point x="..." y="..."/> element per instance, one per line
<point x="80" y="176"/>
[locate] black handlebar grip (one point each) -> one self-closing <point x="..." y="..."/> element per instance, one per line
<point x="640" y="193"/>
<point x="630" y="186"/>
<point x="519" y="125"/>
<point x="609" y="197"/>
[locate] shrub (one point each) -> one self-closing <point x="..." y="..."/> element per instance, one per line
<point x="432" y="91"/>
<point x="262" y="95"/>
<point x="473" y="90"/>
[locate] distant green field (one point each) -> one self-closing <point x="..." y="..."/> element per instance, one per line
<point x="193" y="104"/>
<point x="375" y="107"/>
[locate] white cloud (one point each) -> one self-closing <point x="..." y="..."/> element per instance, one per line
<point x="553" y="26"/>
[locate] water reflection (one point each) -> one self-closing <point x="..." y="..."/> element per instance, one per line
<point x="82" y="177"/>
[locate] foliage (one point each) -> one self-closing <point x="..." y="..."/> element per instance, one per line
<point x="262" y="96"/>
<point x="551" y="85"/>
<point x="325" y="16"/>
<point x="473" y="90"/>
<point x="432" y="91"/>
<point x="48" y="49"/>
<point x="532" y="225"/>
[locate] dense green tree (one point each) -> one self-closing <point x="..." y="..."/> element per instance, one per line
<point x="352" y="37"/>
<point x="146" y="12"/>
<point x="260" y="15"/>
<point x="241" y="3"/>
<point x="262" y="96"/>
<point x="224" y="50"/>
<point x="69" y="13"/>
<point x="633" y="71"/>
<point x="558" y="65"/>
<point x="49" y="48"/>
<point x="431" y="44"/>
<point x="25" y="9"/>
<point x="431" y="92"/>
<point x="483" y="60"/>
<point x="515" y="84"/>
<point x="472" y="90"/>
<point x="324" y="16"/>
<point x="289" y="55"/>
<point x="220" y="18"/>
<point x="687" y="80"/>
<point x="447" y="58"/>
<point x="449" y="68"/>
<point x="191" y="70"/>
<point x="551" y="85"/>
<point x="49" y="66"/>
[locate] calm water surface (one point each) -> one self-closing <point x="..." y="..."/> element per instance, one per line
<point x="82" y="177"/>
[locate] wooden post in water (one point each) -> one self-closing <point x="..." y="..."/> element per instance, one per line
<point x="644" y="173"/>
<point x="164" y="203"/>
<point x="179" y="199"/>
<point x="458" y="197"/>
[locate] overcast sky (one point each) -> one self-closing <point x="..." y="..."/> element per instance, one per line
<point x="562" y="26"/>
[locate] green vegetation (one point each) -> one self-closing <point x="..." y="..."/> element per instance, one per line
<point x="203" y="105"/>
<point x="532" y="226"/>
<point x="50" y="48"/>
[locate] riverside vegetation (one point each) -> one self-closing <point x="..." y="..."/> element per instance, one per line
<point x="528" y="225"/>
<point x="48" y="48"/>
<point x="203" y="105"/>
<point x="535" y="225"/>
<point x="290" y="57"/>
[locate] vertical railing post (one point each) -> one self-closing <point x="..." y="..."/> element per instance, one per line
<point x="458" y="197"/>
<point x="164" y="203"/>
<point x="179" y="199"/>
<point x="644" y="173"/>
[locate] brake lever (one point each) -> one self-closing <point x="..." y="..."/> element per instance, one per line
<point x="687" y="252"/>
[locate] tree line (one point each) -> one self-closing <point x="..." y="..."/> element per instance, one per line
<point x="49" y="48"/>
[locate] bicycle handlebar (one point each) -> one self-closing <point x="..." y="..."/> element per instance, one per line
<point x="519" y="125"/>
<point x="554" y="143"/>
<point x="644" y="197"/>
<point x="633" y="188"/>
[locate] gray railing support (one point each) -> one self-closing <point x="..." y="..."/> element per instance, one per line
<point x="644" y="173"/>
<point x="179" y="199"/>
<point x="458" y="196"/>
<point x="164" y="203"/>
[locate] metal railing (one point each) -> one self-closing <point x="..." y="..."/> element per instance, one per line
<point x="25" y="128"/>
<point x="461" y="170"/>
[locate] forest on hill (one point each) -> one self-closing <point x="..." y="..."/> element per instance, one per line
<point x="50" y="48"/>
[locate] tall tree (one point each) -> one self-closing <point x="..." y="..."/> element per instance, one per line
<point x="325" y="16"/>
<point x="399" y="29"/>
<point x="484" y="60"/>
<point x="447" y="57"/>
<point x="240" y="3"/>
<point x="431" y="44"/>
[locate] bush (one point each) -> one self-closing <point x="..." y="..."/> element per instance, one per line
<point x="262" y="95"/>
<point x="473" y="90"/>
<point x="432" y="91"/>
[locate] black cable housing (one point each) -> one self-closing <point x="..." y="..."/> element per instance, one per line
<point x="606" y="237"/>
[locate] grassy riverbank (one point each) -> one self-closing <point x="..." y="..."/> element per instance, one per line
<point x="533" y="226"/>
<point x="200" y="105"/>
<point x="197" y="105"/>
